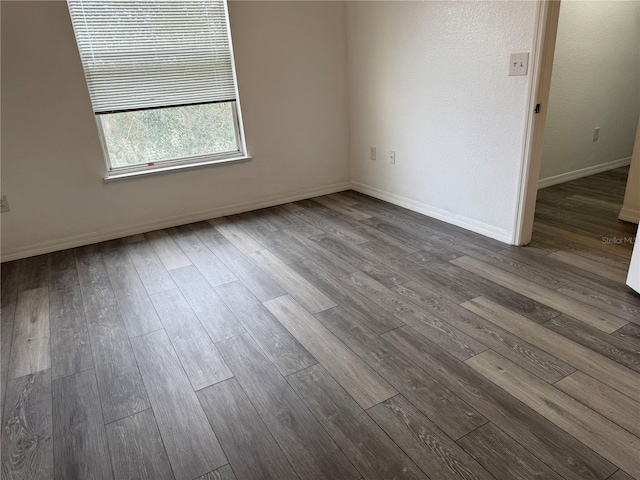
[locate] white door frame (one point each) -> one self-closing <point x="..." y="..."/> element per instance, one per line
<point x="547" y="13"/>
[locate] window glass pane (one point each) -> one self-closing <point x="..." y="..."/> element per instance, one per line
<point x="150" y="136"/>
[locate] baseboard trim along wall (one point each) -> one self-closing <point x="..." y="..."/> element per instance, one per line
<point x="583" y="172"/>
<point x="437" y="213"/>
<point x="94" y="237"/>
<point x="628" y="215"/>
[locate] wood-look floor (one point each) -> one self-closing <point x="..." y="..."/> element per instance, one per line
<point x="334" y="338"/>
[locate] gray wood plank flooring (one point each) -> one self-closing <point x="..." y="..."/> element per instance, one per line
<point x="363" y="383"/>
<point x="528" y="356"/>
<point x="246" y="440"/>
<point x="258" y="282"/>
<point x="364" y="442"/>
<point x="121" y="390"/>
<point x="135" y="306"/>
<point x="213" y="313"/>
<point x="552" y="445"/>
<point x="603" y="436"/>
<point x="30" y="348"/>
<point x="504" y="457"/>
<point x="304" y="292"/>
<point x="166" y="248"/>
<point x="70" y="346"/>
<point x="114" y="253"/>
<point x="276" y="341"/>
<point x="209" y="266"/>
<point x="617" y="349"/>
<point x="629" y="333"/>
<point x="62" y="270"/>
<point x="223" y="473"/>
<point x="136" y="448"/>
<point x="307" y="446"/>
<point x="620" y="475"/>
<point x="584" y="359"/>
<point x="458" y="343"/>
<point x="197" y="353"/>
<point x="34" y="273"/>
<point x="424" y="442"/>
<point x="340" y="337"/>
<point x="377" y="319"/>
<point x="447" y="410"/>
<point x="9" y="277"/>
<point x="7" y="317"/>
<point x="152" y="271"/>
<point x="192" y="447"/>
<point x="97" y="291"/>
<point x="79" y="441"/>
<point x="27" y="441"/>
<point x="603" y="399"/>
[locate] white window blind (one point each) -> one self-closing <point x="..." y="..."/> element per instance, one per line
<point x="141" y="54"/>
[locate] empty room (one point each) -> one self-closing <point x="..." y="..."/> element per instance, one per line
<point x="342" y="240"/>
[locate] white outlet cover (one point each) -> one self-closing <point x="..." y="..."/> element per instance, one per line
<point x="518" y="64"/>
<point x="4" y="204"/>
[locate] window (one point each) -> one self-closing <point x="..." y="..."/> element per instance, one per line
<point x="162" y="82"/>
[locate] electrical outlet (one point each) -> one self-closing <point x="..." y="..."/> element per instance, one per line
<point x="4" y="204"/>
<point x="596" y="134"/>
<point x="372" y="153"/>
<point x="392" y="156"/>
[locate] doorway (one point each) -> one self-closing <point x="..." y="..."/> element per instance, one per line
<point x="582" y="87"/>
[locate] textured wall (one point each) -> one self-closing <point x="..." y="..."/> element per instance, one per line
<point x="595" y="83"/>
<point x="291" y="61"/>
<point x="429" y="80"/>
<point x="426" y="79"/>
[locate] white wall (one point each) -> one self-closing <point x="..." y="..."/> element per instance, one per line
<point x="320" y="82"/>
<point x="291" y="62"/>
<point x="429" y="80"/>
<point x="595" y="83"/>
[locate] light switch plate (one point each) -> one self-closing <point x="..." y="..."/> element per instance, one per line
<point x="518" y="64"/>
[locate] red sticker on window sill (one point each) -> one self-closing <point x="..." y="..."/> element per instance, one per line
<point x="150" y="164"/>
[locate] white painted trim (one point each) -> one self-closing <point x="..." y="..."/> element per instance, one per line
<point x="628" y="215"/>
<point x="583" y="172"/>
<point x="633" y="277"/>
<point x="172" y="166"/>
<point x="94" y="237"/>
<point x="543" y="49"/>
<point x="528" y="144"/>
<point x="437" y="213"/>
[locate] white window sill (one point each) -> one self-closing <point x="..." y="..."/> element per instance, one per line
<point x="111" y="177"/>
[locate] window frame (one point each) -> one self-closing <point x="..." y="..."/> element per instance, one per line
<point x="181" y="163"/>
<point x="239" y="155"/>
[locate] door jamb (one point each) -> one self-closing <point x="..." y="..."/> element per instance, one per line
<point x="547" y="14"/>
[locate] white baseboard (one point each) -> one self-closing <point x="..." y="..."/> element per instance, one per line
<point x="628" y="215"/>
<point x="94" y="237"/>
<point x="583" y="172"/>
<point x="437" y="213"/>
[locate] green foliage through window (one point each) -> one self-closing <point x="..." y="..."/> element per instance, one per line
<point x="149" y="136"/>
